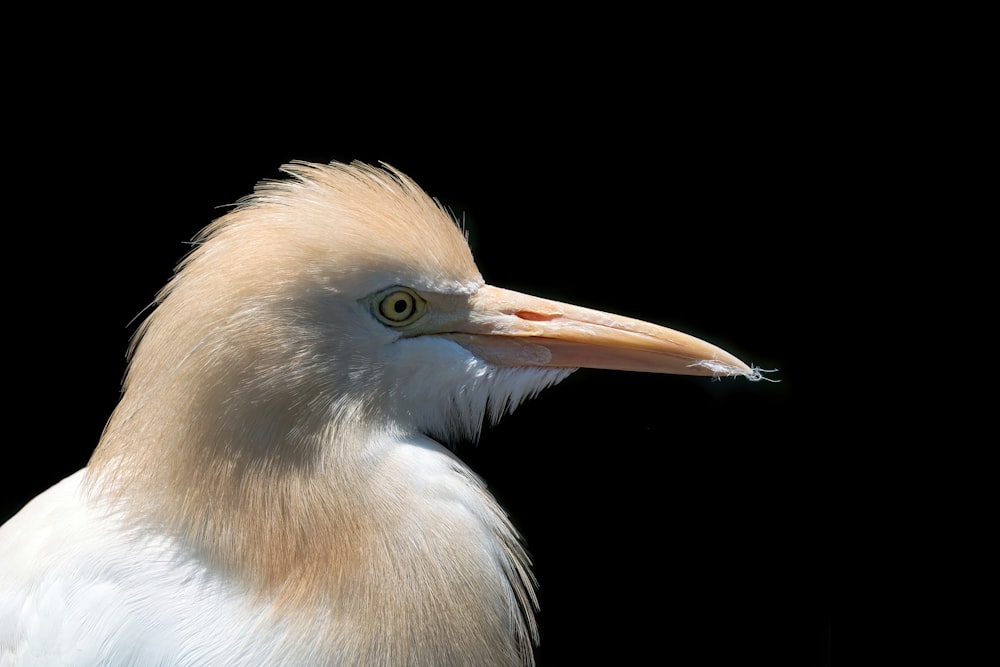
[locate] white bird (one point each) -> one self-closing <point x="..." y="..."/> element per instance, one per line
<point x="270" y="489"/>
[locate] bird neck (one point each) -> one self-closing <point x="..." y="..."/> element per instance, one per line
<point x="389" y="535"/>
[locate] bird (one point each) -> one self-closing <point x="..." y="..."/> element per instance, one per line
<point x="278" y="483"/>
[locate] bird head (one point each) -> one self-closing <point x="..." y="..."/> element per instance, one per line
<point x="346" y="295"/>
<point x="345" y="290"/>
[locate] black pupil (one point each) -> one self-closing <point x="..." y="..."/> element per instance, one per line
<point x="400" y="305"/>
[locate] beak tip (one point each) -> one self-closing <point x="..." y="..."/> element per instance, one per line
<point x="718" y="368"/>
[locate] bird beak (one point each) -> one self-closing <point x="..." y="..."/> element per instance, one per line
<point x="508" y="328"/>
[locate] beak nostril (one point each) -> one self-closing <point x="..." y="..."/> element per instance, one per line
<point x="535" y="317"/>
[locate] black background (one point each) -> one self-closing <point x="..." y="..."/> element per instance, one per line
<point x="680" y="518"/>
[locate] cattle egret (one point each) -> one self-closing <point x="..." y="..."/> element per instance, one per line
<point x="271" y="489"/>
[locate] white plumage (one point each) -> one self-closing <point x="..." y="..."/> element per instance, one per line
<point x="271" y="489"/>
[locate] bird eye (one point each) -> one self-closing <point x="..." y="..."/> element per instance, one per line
<point x="398" y="306"/>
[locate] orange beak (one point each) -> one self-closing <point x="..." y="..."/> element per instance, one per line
<point x="508" y="328"/>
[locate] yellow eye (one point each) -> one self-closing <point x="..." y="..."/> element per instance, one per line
<point x="398" y="306"/>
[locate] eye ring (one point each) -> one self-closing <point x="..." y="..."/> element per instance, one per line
<point x="398" y="306"/>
